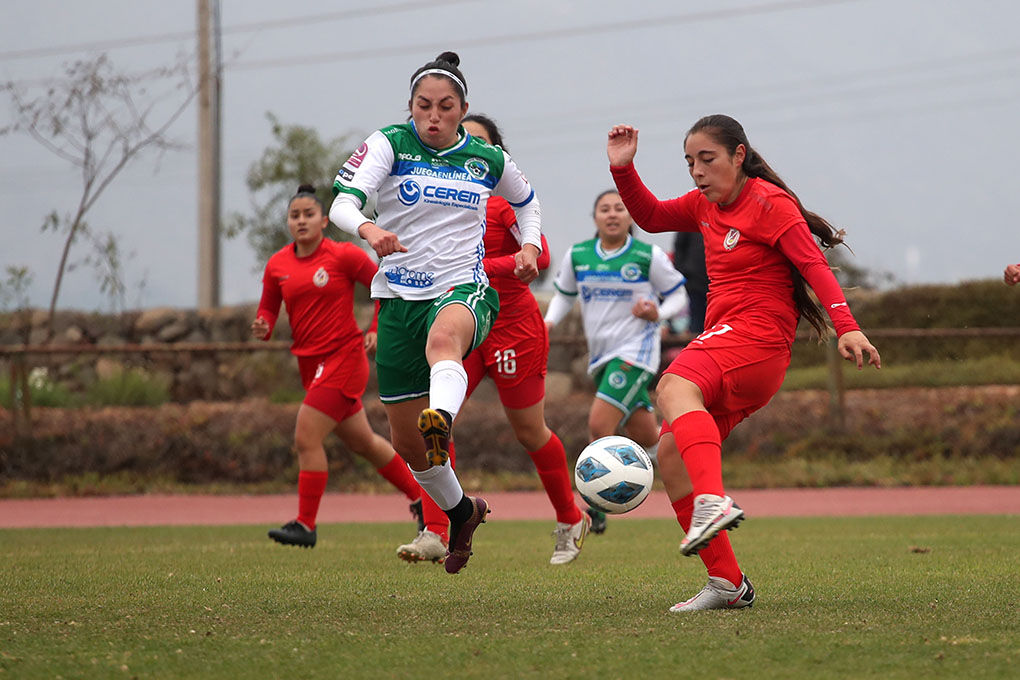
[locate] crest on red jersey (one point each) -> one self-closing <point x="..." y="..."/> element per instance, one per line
<point x="730" y="242"/>
<point x="321" y="277"/>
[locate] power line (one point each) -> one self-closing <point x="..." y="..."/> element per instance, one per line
<point x="536" y="36"/>
<point x="102" y="45"/>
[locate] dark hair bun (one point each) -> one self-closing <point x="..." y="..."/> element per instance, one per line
<point x="450" y="58"/>
<point x="306" y="189"/>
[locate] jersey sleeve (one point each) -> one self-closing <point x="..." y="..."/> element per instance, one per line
<point x="362" y="174"/>
<point x="649" y="212"/>
<point x="362" y="270"/>
<point x="272" y="296"/>
<point x="515" y="188"/>
<point x="778" y="214"/>
<point x="662" y="274"/>
<point x="566" y="279"/>
<point x="799" y="247"/>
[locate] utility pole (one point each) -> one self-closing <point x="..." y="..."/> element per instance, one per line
<point x="208" y="155"/>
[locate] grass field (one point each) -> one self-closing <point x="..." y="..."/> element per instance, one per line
<point x="837" y="598"/>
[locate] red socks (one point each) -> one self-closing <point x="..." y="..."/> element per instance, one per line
<point x="396" y="473"/>
<point x="551" y="465"/>
<point x="697" y="439"/>
<point x="718" y="555"/>
<point x="436" y="520"/>
<point x="311" y="485"/>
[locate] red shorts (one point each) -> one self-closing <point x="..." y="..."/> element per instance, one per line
<point x="335" y="382"/>
<point x="737" y="373"/>
<point x="515" y="356"/>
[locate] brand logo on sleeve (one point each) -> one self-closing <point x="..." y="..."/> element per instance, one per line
<point x="730" y="242"/>
<point x="358" y="156"/>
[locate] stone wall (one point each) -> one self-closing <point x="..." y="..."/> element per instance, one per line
<point x="210" y="375"/>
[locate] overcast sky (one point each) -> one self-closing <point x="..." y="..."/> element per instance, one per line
<point x="895" y="119"/>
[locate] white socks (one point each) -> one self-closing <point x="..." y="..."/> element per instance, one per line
<point x="447" y="387"/>
<point x="441" y="484"/>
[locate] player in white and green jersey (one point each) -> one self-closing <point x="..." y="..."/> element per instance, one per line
<point x="619" y="281"/>
<point x="431" y="180"/>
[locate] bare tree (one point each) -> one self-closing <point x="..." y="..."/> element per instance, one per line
<point x="98" y="120"/>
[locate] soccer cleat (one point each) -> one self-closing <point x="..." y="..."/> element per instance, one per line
<point x="719" y="594"/>
<point x="598" y="520"/>
<point x="569" y="539"/>
<point x="459" y="552"/>
<point x="294" y="533"/>
<point x="426" y="547"/>
<point x="435" y="430"/>
<point x="418" y="514"/>
<point x="712" y="514"/>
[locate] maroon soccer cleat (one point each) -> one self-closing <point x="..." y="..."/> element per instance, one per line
<point x="459" y="552"/>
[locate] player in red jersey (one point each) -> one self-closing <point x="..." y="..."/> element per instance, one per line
<point x="314" y="276"/>
<point x="514" y="355"/>
<point x="759" y="253"/>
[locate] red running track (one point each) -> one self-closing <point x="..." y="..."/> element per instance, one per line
<point x="155" y="510"/>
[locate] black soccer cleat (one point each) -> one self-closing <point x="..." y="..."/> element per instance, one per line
<point x="598" y="521"/>
<point x="294" y="533"/>
<point x="419" y="515"/>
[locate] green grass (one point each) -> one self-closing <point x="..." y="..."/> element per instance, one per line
<point x="838" y="598"/>
<point x="984" y="371"/>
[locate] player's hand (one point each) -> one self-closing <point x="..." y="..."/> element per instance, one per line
<point x="645" y="309"/>
<point x="852" y="346"/>
<point x="526" y="263"/>
<point x="1011" y="275"/>
<point x="383" y="242"/>
<point x="259" y="328"/>
<point x="371" y="340"/>
<point x="622" y="145"/>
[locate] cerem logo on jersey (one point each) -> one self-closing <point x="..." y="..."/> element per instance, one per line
<point x="408" y="192"/>
<point x="730" y="242"/>
<point x="321" y="277"/>
<point x="617" y="380"/>
<point x="630" y="271"/>
<point x="605" y="294"/>
<point x="477" y="167"/>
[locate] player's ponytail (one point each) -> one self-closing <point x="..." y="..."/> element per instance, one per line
<point x="729" y="133"/>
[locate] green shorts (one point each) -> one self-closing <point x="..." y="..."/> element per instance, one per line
<point x="404" y="325"/>
<point x="623" y="385"/>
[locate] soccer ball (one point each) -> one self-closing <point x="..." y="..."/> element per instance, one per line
<point x="613" y="474"/>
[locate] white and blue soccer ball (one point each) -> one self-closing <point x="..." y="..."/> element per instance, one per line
<point x="613" y="474"/>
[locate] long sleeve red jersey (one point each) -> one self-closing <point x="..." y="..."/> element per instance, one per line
<point x="319" y="293"/>
<point x="749" y="248"/>
<point x="501" y="244"/>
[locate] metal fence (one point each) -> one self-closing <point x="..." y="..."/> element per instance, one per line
<point x="18" y="356"/>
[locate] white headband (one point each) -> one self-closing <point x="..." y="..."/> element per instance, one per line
<point x="439" y="72"/>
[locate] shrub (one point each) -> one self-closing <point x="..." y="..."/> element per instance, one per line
<point x="129" y="387"/>
<point x="43" y="391"/>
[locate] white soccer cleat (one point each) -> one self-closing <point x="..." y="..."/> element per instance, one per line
<point x="719" y="594"/>
<point x="426" y="547"/>
<point x="712" y="514"/>
<point x="569" y="539"/>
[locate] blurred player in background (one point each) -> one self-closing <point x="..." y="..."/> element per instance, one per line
<point x="619" y="281"/>
<point x="433" y="181"/>
<point x="760" y="249"/>
<point x="515" y="356"/>
<point x="1011" y="275"/>
<point x="314" y="276"/>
